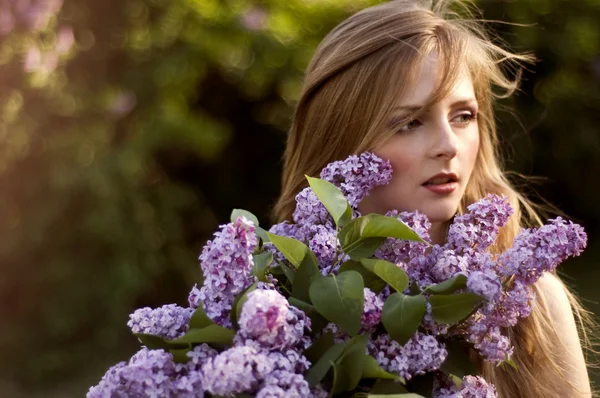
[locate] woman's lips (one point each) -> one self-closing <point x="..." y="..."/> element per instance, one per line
<point x="442" y="189"/>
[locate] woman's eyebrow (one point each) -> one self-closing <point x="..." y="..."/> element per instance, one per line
<point x="457" y="103"/>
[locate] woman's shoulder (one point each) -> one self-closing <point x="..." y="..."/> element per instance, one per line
<point x="560" y="305"/>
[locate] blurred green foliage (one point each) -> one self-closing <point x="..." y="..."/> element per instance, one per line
<point x="129" y="130"/>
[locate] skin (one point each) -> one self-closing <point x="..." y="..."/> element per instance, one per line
<point x="445" y="138"/>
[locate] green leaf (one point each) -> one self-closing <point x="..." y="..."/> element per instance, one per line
<point x="372" y="281"/>
<point x="209" y="334"/>
<point x="510" y="362"/>
<point x="333" y="199"/>
<point x="262" y="234"/>
<point x="235" y="308"/>
<point x="351" y="362"/>
<point x="363" y="235"/>
<point x="306" y="273"/>
<point x="456" y="380"/>
<point x="180" y="355"/>
<point x="372" y="370"/>
<point x="292" y="249"/>
<point x="319" y="347"/>
<point x="241" y="300"/>
<point x="389" y="272"/>
<point x="453" y="308"/>
<point x="261" y="264"/>
<point x="414" y="289"/>
<point x="199" y="319"/>
<point x="402" y="315"/>
<point x="458" y="361"/>
<point x="236" y="213"/>
<point x="340" y="299"/>
<point x="318" y="371"/>
<point x="155" y="342"/>
<point x="289" y="273"/>
<point x="316" y="319"/>
<point x="448" y="286"/>
<point x="387" y="387"/>
<point x="340" y="381"/>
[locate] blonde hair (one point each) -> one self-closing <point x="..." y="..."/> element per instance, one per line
<point x="354" y="80"/>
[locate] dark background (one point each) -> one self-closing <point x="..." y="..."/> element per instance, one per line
<point x="129" y="129"/>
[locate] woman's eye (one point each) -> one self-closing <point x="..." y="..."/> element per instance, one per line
<point x="464" y="118"/>
<point x="413" y="124"/>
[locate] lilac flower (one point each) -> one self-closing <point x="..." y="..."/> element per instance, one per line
<point x="484" y="283"/>
<point x="323" y="244"/>
<point x="491" y="343"/>
<point x="478" y="228"/>
<point x="356" y="176"/>
<point x="471" y="387"/>
<point x="444" y="387"/>
<point x="268" y="319"/>
<point x="448" y="264"/>
<point x="281" y="384"/>
<point x="421" y="354"/>
<point x="398" y="250"/>
<point x="477" y="387"/>
<point x="227" y="264"/>
<point x="309" y="209"/>
<point x="239" y="369"/>
<point x="372" y="310"/>
<point x="541" y="250"/>
<point x="148" y="373"/>
<point x="169" y="321"/>
<point x="284" y="229"/>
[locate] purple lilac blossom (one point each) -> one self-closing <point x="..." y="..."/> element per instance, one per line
<point x="485" y="283"/>
<point x="477" y="229"/>
<point x="541" y="250"/>
<point x="169" y="321"/>
<point x="421" y="354"/>
<point x="399" y="250"/>
<point x="357" y="175"/>
<point x="153" y="373"/>
<point x="323" y="244"/>
<point x="227" y="264"/>
<point x="309" y="209"/>
<point x="471" y="387"/>
<point x="239" y="369"/>
<point x="281" y="384"/>
<point x="448" y="264"/>
<point x="490" y="342"/>
<point x="477" y="387"/>
<point x="372" y="311"/>
<point x="267" y="318"/>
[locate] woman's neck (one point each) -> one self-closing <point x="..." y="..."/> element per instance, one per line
<point x="437" y="233"/>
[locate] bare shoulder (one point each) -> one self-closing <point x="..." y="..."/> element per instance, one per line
<point x="569" y="352"/>
<point x="555" y="294"/>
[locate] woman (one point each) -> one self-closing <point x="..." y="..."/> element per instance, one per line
<point x="416" y="85"/>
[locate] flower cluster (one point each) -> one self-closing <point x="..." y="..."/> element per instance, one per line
<point x="421" y="354"/>
<point x="169" y="321"/>
<point x="265" y="354"/>
<point x="226" y="263"/>
<point x="154" y="373"/>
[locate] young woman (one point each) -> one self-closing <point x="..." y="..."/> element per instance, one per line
<point x="416" y="85"/>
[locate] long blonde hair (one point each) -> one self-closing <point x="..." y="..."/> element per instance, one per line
<point x="354" y="80"/>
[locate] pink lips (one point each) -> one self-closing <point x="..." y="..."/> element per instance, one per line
<point x="444" y="188"/>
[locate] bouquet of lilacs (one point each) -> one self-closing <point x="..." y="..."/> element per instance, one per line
<point x="341" y="304"/>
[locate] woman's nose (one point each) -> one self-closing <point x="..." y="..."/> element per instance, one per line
<point x="446" y="141"/>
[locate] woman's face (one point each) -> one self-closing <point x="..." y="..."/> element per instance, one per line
<point x="443" y="141"/>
